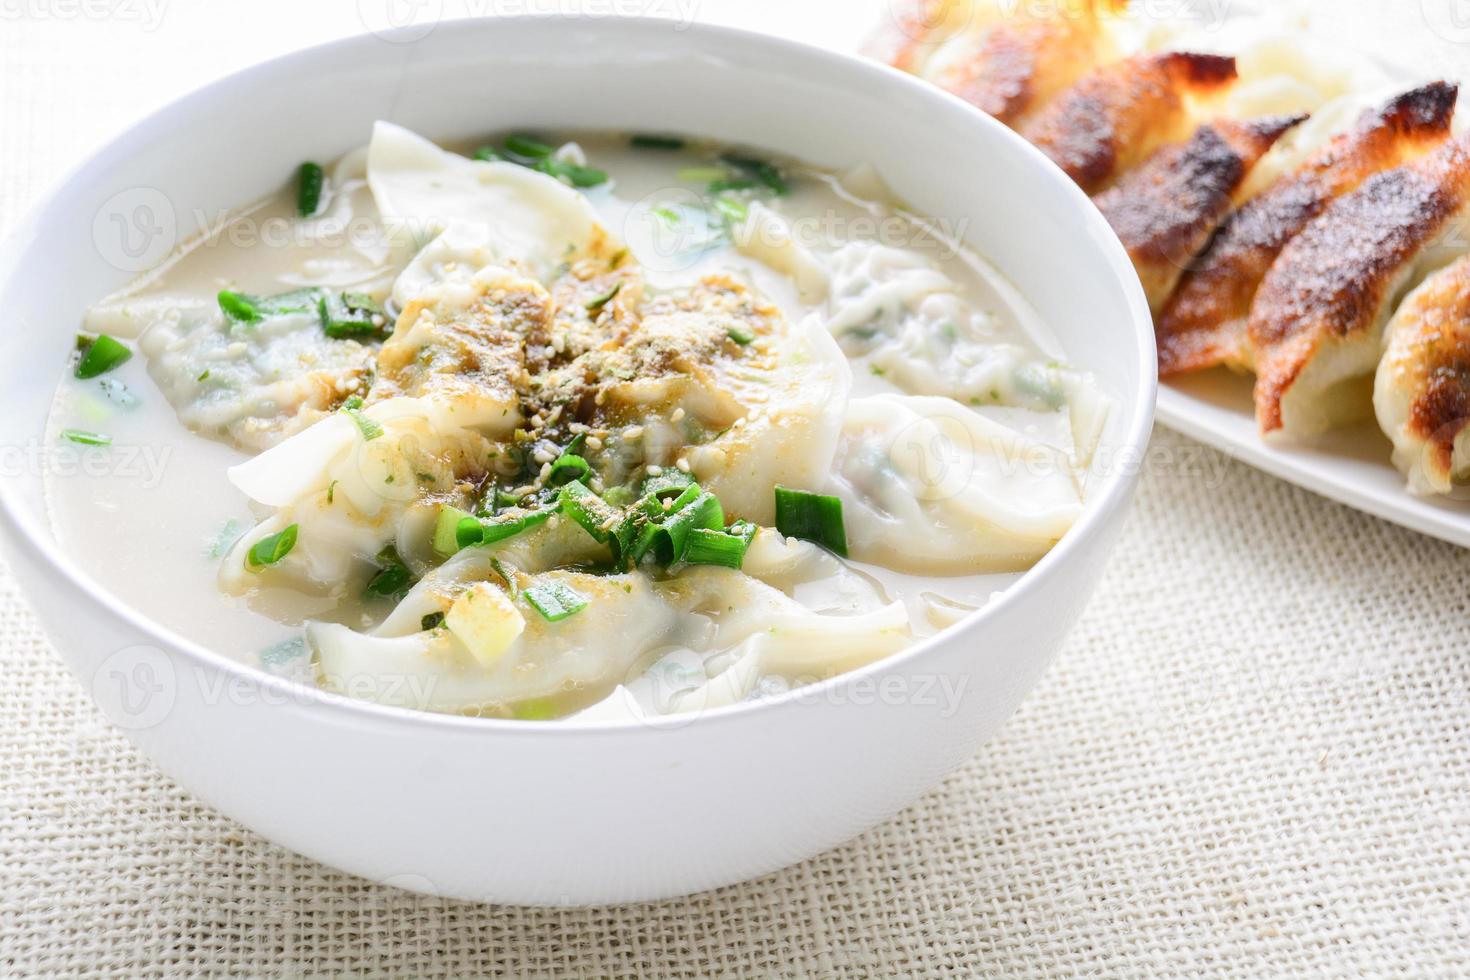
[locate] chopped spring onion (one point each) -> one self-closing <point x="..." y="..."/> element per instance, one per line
<point x="589" y="510"/>
<point x="393" y="576"/>
<point x="432" y="621"/>
<point x="732" y="210"/>
<point x="710" y="547"/>
<point x="238" y="306"/>
<point x="101" y="356"/>
<point x="812" y="517"/>
<point x="571" y="173"/>
<point x="598" y="302"/>
<point x="669" y="483"/>
<point x="85" y="438"/>
<point x="667" y="527"/>
<point x="646" y="141"/>
<point x="370" y="428"/>
<point x="309" y="181"/>
<point x="555" y="601"/>
<point x="566" y="468"/>
<point x="733" y="184"/>
<point x="446" y="529"/>
<point x="528" y="147"/>
<point x="474" y="530"/>
<point x="350" y="315"/>
<point x="762" y="170"/>
<point x="488" y="154"/>
<point x="506" y="571"/>
<point x="741" y="336"/>
<point x="271" y="548"/>
<point x="703" y="175"/>
<point x="245" y="308"/>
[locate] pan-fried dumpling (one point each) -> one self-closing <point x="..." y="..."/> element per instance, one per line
<point x="1316" y="326"/>
<point x="928" y="485"/>
<point x="913" y="29"/>
<point x="1166" y="209"/>
<point x="1422" y="391"/>
<point x="1204" y="324"/>
<point x="1118" y="115"/>
<point x="1013" y="66"/>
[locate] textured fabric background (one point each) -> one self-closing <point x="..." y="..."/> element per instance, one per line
<point x="1251" y="759"/>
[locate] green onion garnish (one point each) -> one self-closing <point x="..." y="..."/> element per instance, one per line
<point x="432" y="621"/>
<point x="350" y="315"/>
<point x="589" y="510"/>
<point x="572" y="173"/>
<point x="566" y="468"/>
<point x="85" y="438"/>
<point x="812" y="517"/>
<point x="762" y="170"/>
<point x="732" y="210"/>
<point x="370" y="428"/>
<point x="703" y="175"/>
<point x="598" y="302"/>
<point x="528" y="147"/>
<point x="446" y="528"/>
<point x="732" y="184"/>
<point x="238" y="306"/>
<point x="488" y="154"/>
<point x="393" y="576"/>
<point x="271" y="548"/>
<point x="709" y="547"/>
<point x="308" y="189"/>
<point x="667" y="532"/>
<point x="669" y="483"/>
<point x="741" y="336"/>
<point x="645" y="141"/>
<point x="101" y="356"/>
<point x="555" y="601"/>
<point x="245" y="308"/>
<point x="470" y="530"/>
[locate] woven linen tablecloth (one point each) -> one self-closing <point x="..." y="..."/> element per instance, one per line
<point x="1251" y="759"/>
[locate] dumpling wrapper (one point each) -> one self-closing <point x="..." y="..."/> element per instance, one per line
<point x="929" y="486"/>
<point x="529" y="218"/>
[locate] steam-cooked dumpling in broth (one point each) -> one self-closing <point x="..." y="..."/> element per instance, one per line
<point x="597" y="429"/>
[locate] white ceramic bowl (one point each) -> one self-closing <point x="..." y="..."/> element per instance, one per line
<point x="522" y="812"/>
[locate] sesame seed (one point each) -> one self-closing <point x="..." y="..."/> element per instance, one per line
<point x="594" y="443"/>
<point x="655" y="470"/>
<point x="678" y="414"/>
<point x="683" y="465"/>
<point x="542" y="456"/>
<point x="633" y="433"/>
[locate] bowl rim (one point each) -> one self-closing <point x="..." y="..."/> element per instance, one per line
<point x="1103" y="503"/>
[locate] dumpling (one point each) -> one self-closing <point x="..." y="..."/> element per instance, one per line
<point x="528" y="217"/>
<point x="1166" y="209"/>
<point x="1422" y="390"/>
<point x="1204" y="324"/>
<point x="1013" y="66"/>
<point x="930" y="486"/>
<point x="1118" y="115"/>
<point x="509" y="654"/>
<point x="1316" y="326"/>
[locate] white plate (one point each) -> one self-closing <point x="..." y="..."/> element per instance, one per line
<point x="1349" y="465"/>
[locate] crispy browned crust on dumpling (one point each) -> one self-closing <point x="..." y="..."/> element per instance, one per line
<point x="1204" y="324"/>
<point x="1422" y="392"/>
<point x="1013" y="68"/>
<point x="1165" y="210"/>
<point x="1117" y="115"/>
<point x="1332" y="284"/>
